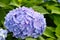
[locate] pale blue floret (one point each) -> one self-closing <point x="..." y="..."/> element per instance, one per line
<point x="25" y="22"/>
<point x="3" y="34"/>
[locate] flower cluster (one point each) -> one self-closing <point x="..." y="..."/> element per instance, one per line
<point x="25" y="22"/>
<point x="3" y="34"/>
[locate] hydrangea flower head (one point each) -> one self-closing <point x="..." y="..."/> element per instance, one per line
<point x="3" y="34"/>
<point x="25" y="22"/>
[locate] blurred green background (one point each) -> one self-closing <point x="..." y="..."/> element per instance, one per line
<point x="50" y="9"/>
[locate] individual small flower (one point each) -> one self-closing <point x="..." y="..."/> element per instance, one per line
<point x="3" y="34"/>
<point x="25" y="22"/>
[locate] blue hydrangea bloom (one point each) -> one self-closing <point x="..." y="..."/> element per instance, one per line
<point x="3" y="34"/>
<point x="25" y="22"/>
<point x="58" y="1"/>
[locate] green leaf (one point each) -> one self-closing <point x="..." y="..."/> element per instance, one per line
<point x="5" y="1"/>
<point x="51" y="28"/>
<point x="58" y="39"/>
<point x="40" y="9"/>
<point x="27" y="3"/>
<point x="49" y="33"/>
<point x="37" y="1"/>
<point x="6" y="6"/>
<point x="50" y="39"/>
<point x="54" y="9"/>
<point x="9" y="36"/>
<point x="19" y="38"/>
<point x="58" y="31"/>
<point x="2" y="4"/>
<point x="2" y="14"/>
<point x="56" y="19"/>
<point x="16" y="3"/>
<point x="55" y="0"/>
<point x="41" y="38"/>
<point x="30" y="3"/>
<point x="30" y="39"/>
<point x="19" y="1"/>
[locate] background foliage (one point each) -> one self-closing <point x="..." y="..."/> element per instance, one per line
<point x="50" y="9"/>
